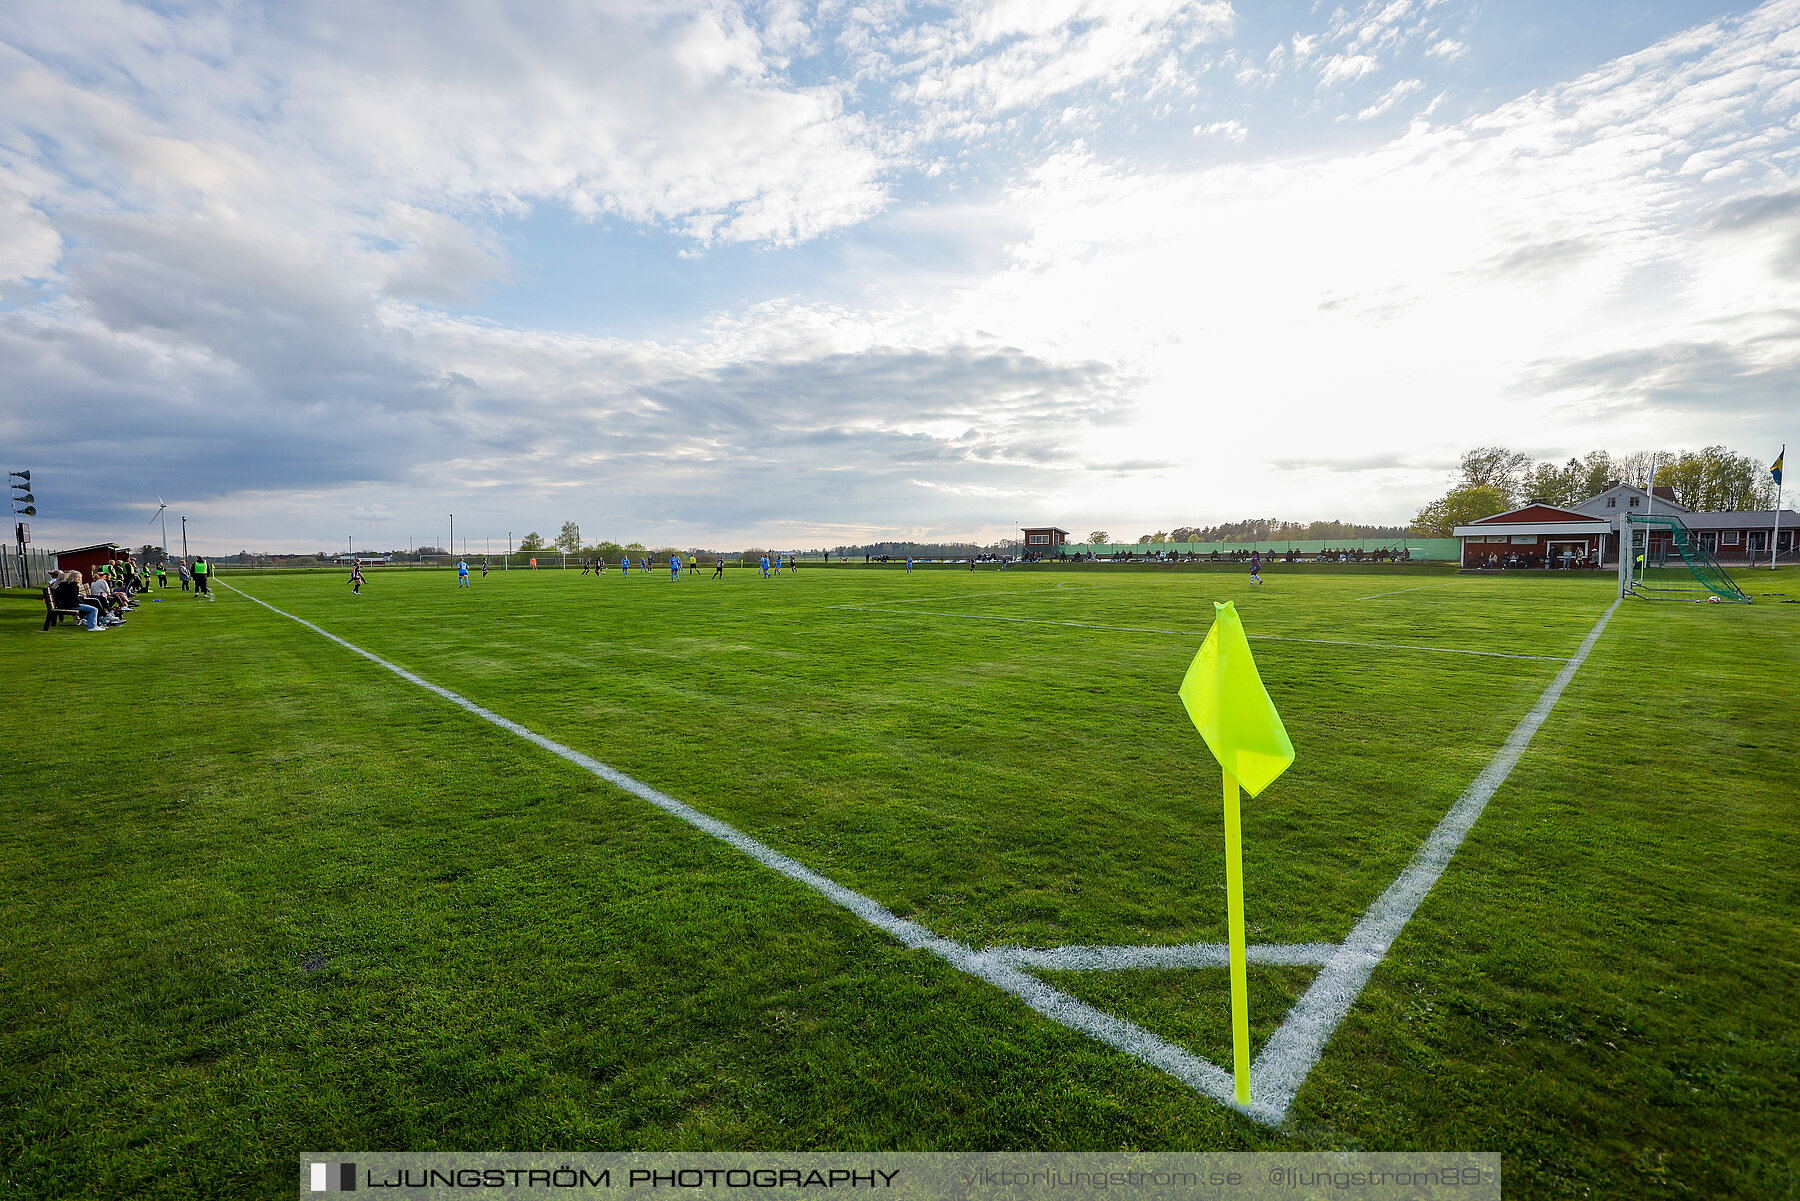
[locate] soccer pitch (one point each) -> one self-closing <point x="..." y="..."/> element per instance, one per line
<point x="957" y="879"/>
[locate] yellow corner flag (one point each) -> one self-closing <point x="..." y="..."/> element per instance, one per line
<point x="1231" y="709"/>
<point x="1225" y="696"/>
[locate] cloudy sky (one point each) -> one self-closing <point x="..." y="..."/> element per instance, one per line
<point x="806" y="273"/>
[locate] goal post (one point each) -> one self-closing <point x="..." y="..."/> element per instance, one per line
<point x="1661" y="559"/>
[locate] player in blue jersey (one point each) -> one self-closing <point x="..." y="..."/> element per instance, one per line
<point x="462" y="573"/>
<point x="674" y="568"/>
<point x="764" y="564"/>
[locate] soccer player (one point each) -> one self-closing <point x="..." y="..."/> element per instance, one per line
<point x="625" y="566"/>
<point x="909" y="565"/>
<point x="355" y="578"/>
<point x="764" y="564"/>
<point x="1256" y="567"/>
<point x="693" y="564"/>
<point x="462" y="573"/>
<point x="674" y="568"/>
<point x="484" y="567"/>
<point x="719" y="568"/>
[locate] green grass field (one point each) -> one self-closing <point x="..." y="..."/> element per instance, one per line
<point x="259" y="895"/>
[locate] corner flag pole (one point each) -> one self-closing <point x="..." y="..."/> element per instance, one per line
<point x="1775" y="535"/>
<point x="1225" y="698"/>
<point x="1240" y="970"/>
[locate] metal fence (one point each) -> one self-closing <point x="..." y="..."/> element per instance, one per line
<point x="31" y="572"/>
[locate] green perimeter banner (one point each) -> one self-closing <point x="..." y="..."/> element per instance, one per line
<point x="912" y="1176"/>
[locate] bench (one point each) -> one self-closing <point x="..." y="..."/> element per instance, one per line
<point x="53" y="615"/>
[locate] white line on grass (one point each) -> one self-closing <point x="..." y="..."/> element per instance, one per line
<point x="1398" y="591"/>
<point x="1082" y="625"/>
<point x="1143" y="958"/>
<point x="1291" y="1052"/>
<point x="1289" y="1055"/>
<point x="1134" y="1040"/>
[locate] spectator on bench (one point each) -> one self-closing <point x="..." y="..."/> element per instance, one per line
<point x="65" y="593"/>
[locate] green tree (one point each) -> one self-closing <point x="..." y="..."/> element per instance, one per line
<point x="1597" y="473"/>
<point x="1459" y="507"/>
<point x="1494" y="467"/>
<point x="1716" y="480"/>
<point x="570" y="538"/>
<point x="533" y="541"/>
<point x="1099" y="538"/>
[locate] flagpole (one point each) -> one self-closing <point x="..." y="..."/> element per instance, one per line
<point x="1775" y="536"/>
<point x="1240" y="975"/>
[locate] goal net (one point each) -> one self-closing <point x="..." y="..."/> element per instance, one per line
<point x="1661" y="559"/>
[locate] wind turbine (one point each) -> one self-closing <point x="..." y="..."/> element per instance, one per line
<point x="161" y="506"/>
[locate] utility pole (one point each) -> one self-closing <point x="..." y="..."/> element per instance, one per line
<point x="184" y="549"/>
<point x="452" y="535"/>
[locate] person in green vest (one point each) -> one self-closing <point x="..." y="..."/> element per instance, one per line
<point x="202" y="578"/>
<point x="162" y="575"/>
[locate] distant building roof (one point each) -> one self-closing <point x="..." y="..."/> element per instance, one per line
<point x="1743" y="519"/>
<point x="1619" y="494"/>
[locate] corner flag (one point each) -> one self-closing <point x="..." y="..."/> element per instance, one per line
<point x="1225" y="697"/>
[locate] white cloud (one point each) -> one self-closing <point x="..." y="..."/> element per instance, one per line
<point x="249" y="229"/>
<point x="1342" y="68"/>
<point x="1232" y="131"/>
<point x="1390" y="98"/>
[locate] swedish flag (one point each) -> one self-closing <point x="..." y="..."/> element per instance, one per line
<point x="1775" y="469"/>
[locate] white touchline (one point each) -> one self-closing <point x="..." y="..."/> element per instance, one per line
<point x="1398" y="591"/>
<point x="1289" y="1055"/>
<point x="1082" y="625"/>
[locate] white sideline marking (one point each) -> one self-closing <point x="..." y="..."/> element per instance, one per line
<point x="1135" y="959"/>
<point x="1398" y="591"/>
<point x="1291" y="1052"/>
<point x="1081" y="625"/>
<point x="1289" y="1055"/>
<point x="1058" y="1006"/>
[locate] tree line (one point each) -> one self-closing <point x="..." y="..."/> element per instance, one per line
<point x="1494" y="479"/>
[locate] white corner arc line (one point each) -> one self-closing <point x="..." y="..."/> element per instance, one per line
<point x="1146" y="958"/>
<point x="1135" y="1041"/>
<point x="1081" y="625"/>
<point x="1289" y="1055"/>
